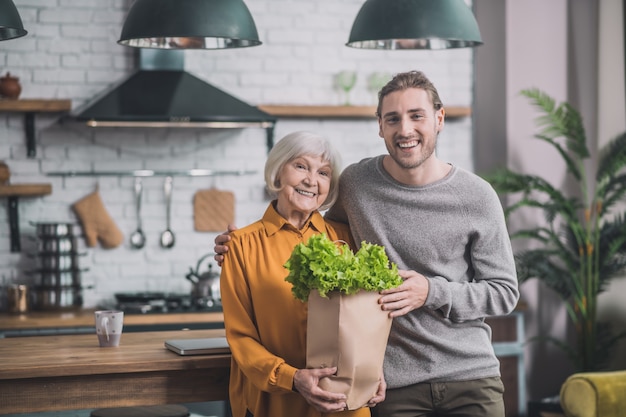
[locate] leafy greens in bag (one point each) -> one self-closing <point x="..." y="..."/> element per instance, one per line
<point x="323" y="265"/>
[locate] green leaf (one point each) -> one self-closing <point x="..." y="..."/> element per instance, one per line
<point x="322" y="265"/>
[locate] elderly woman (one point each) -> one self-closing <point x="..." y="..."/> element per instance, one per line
<point x="265" y="324"/>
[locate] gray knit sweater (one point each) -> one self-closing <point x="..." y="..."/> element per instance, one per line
<point x="453" y="232"/>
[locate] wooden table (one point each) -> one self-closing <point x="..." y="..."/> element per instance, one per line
<point x="50" y="373"/>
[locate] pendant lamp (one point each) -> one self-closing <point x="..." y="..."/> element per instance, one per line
<point x="10" y="22"/>
<point x="414" y="24"/>
<point x="189" y="24"/>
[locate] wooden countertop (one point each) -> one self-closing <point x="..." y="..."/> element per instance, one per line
<point x="84" y="318"/>
<point x="65" y="355"/>
<point x="47" y="373"/>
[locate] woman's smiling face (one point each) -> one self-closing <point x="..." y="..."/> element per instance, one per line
<point x="305" y="183"/>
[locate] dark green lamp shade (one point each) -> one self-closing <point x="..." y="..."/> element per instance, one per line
<point x="189" y="24"/>
<point x="414" y="24"/>
<point x="10" y="22"/>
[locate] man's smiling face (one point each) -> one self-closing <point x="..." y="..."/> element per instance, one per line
<point x="409" y="124"/>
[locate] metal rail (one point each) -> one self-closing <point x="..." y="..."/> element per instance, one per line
<point x="150" y="173"/>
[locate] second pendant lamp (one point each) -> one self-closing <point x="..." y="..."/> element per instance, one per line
<point x="414" y="24"/>
<point x="189" y="24"/>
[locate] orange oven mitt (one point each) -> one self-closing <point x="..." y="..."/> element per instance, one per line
<point x="97" y="223"/>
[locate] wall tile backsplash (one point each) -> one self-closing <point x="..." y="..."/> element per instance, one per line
<point x="71" y="53"/>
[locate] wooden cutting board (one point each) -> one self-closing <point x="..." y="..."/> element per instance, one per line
<point x="213" y="210"/>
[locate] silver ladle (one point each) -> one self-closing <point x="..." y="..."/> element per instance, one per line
<point x="137" y="238"/>
<point x="167" y="237"/>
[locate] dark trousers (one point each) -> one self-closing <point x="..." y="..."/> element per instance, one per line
<point x="476" y="398"/>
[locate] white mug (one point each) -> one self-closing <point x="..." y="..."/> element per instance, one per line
<point x="109" y="324"/>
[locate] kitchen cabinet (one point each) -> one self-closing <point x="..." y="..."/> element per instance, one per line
<point x="70" y="372"/>
<point x="30" y="107"/>
<point x="508" y="344"/>
<point x="13" y="192"/>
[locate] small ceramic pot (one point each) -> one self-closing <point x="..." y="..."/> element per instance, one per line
<point x="5" y="173"/>
<point x="10" y="87"/>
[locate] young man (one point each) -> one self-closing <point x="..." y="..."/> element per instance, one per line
<point x="445" y="229"/>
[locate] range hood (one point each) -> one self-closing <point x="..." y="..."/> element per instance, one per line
<point x="162" y="94"/>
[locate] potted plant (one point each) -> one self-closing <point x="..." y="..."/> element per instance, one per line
<point x="581" y="245"/>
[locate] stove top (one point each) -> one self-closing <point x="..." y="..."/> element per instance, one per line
<point x="158" y="302"/>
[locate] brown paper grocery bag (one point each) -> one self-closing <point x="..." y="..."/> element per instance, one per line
<point x="213" y="210"/>
<point x="349" y="332"/>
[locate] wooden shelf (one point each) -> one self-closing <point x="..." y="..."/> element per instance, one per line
<point x="25" y="190"/>
<point x="342" y="112"/>
<point x="319" y="111"/>
<point x="30" y="107"/>
<point x="35" y="105"/>
<point x="13" y="192"/>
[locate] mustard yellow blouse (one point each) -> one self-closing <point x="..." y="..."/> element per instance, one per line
<point x="265" y="325"/>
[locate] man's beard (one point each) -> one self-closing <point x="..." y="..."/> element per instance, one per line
<point x="410" y="162"/>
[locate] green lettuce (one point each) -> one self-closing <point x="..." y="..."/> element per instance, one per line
<point x="325" y="266"/>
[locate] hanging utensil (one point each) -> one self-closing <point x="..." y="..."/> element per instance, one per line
<point x="167" y="237"/>
<point x="138" y="238"/>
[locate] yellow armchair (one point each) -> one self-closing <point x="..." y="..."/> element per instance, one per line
<point x="594" y="394"/>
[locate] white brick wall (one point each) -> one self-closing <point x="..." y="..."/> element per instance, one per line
<point x="71" y="53"/>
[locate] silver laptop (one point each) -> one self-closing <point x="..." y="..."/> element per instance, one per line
<point x="203" y="346"/>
